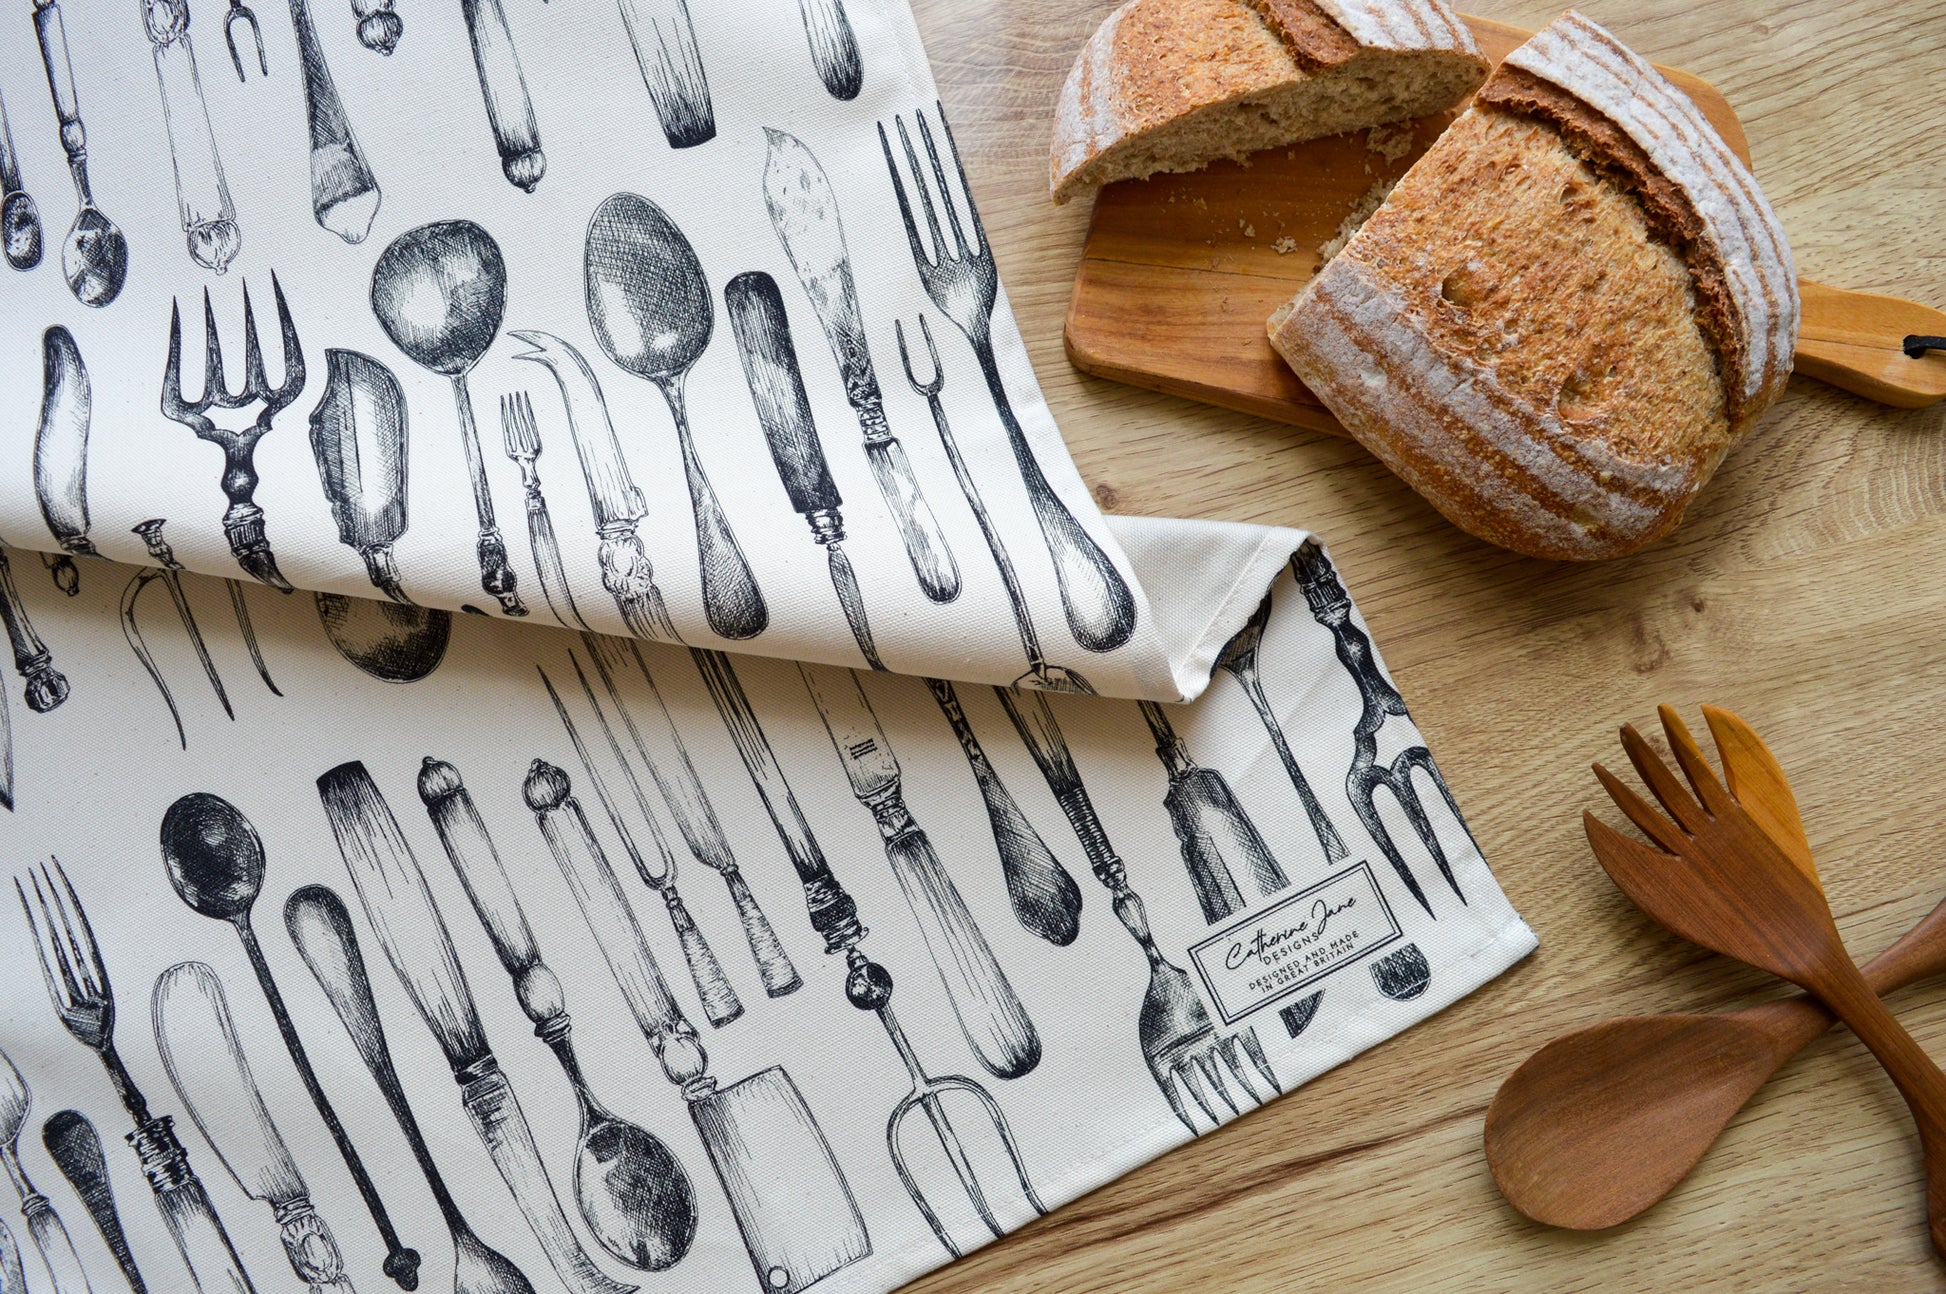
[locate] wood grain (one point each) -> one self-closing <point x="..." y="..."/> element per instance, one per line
<point x="1806" y="591"/>
<point x="1179" y="272"/>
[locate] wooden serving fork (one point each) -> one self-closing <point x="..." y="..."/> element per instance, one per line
<point x="1720" y="880"/>
<point x="1598" y="1125"/>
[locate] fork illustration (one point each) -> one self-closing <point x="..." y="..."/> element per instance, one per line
<point x="243" y="522"/>
<point x="243" y="13"/>
<point x="1178" y="1039"/>
<point x="523" y="440"/>
<point x="959" y="275"/>
<point x="1330" y="605"/>
<point x="77" y="983"/>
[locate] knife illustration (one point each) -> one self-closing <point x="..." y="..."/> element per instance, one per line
<point x="991" y="1016"/>
<point x="61" y="452"/>
<point x="804" y="212"/>
<point x="619" y="507"/>
<point x="392" y="889"/>
<point x="763" y="335"/>
<point x="205" y="1060"/>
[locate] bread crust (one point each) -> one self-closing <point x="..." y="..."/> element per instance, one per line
<point x="1153" y="63"/>
<point x="1570" y="309"/>
<point x="1739" y="232"/>
<point x="1509" y="336"/>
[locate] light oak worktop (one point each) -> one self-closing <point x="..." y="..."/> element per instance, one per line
<point x="1806" y="591"/>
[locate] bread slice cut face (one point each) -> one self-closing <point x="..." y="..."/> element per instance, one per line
<point x="1173" y="85"/>
<point x="1566" y="313"/>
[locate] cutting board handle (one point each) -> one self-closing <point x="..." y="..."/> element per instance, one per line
<point x="1857" y="341"/>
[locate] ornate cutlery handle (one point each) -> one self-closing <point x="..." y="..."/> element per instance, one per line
<point x="187" y="1212"/>
<point x="509" y="110"/>
<point x="496" y="575"/>
<point x="577" y="852"/>
<point x="53" y="37"/>
<point x="243" y="520"/>
<point x="308" y="1243"/>
<point x="379" y="28"/>
<point x="629" y="578"/>
<point x="46" y="687"/>
<point x="202" y="194"/>
<point x="457" y="821"/>
<point x="1099" y="606"/>
<point x="547" y="549"/>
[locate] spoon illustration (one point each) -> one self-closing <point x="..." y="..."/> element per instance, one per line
<point x="20" y="219"/>
<point x="633" y="1192"/>
<point x="439" y="291"/>
<point x="94" y="259"/>
<point x="216" y="864"/>
<point x="649" y="305"/>
<point x="397" y="644"/>
<point x="321" y="928"/>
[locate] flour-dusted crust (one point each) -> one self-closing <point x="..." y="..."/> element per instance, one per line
<point x="1172" y="85"/>
<point x="1744" y="234"/>
<point x="1542" y="330"/>
<point x="1387" y="24"/>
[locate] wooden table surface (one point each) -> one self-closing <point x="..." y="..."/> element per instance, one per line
<point x="1806" y="591"/>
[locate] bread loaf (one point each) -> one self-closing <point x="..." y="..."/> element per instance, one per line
<point x="1566" y="313"/>
<point x="1173" y="85"/>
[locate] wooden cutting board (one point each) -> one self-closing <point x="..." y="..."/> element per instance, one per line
<point x="1179" y="272"/>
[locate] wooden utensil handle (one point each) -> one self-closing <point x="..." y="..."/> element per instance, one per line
<point x="1856" y="341"/>
<point x="1917" y="1077"/>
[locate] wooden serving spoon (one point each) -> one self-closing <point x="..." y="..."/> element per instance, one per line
<point x="1179" y="272"/>
<point x="1720" y="881"/>
<point x="1603" y="1122"/>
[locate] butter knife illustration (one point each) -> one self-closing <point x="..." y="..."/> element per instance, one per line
<point x="619" y="507"/>
<point x="763" y="335"/>
<point x="61" y="453"/>
<point x="393" y="892"/>
<point x="205" y="1060"/>
<point x="990" y="1013"/>
<point x="804" y="212"/>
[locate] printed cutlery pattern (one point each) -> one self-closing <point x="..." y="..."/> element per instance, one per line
<point x="767" y="1149"/>
<point x="441" y="292"/>
<point x="205" y="1062"/>
<point x="632" y="1190"/>
<point x="202" y="194"/>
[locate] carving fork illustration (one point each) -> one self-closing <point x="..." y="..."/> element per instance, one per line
<point x="169" y="571"/>
<point x="243" y="522"/>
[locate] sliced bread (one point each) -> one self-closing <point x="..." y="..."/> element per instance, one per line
<point x="1173" y="85"/>
<point x="1566" y="313"/>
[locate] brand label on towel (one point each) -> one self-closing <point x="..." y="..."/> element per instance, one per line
<point x="1273" y="954"/>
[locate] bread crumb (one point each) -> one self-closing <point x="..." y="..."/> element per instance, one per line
<point x="1284" y="246"/>
<point x="1389" y="142"/>
<point x="1373" y="199"/>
